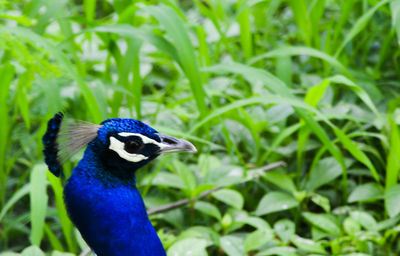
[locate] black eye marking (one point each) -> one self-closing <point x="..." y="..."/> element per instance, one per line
<point x="169" y="141"/>
<point x="133" y="145"/>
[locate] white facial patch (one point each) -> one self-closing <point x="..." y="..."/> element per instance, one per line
<point x="119" y="148"/>
<point x="146" y="140"/>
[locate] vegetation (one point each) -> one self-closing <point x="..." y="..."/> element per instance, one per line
<point x="313" y="83"/>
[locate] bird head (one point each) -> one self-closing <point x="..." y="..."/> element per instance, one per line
<point x="130" y="143"/>
<point x="126" y="144"/>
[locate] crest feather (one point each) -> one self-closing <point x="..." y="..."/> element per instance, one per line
<point x="75" y="135"/>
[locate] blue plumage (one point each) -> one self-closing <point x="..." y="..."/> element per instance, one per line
<point x="51" y="146"/>
<point x="101" y="195"/>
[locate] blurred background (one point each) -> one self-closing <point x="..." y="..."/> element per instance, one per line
<point x="312" y="83"/>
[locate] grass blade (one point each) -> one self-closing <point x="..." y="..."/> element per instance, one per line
<point x="64" y="62"/>
<point x="278" y="87"/>
<point x="393" y="161"/>
<point x="302" y="19"/>
<point x="245" y="28"/>
<point x="39" y="198"/>
<point x="395" y="9"/>
<point x="298" y="51"/>
<point x="360" y="24"/>
<point x="363" y="95"/>
<point x="266" y="100"/>
<point x="7" y="74"/>
<point x="355" y="151"/>
<point x="175" y="29"/>
<point x="90" y="9"/>
<point x="66" y="225"/>
<point x="125" y="30"/>
<point x="15" y="198"/>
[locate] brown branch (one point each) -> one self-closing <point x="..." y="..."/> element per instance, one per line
<point x="272" y="166"/>
<point x="182" y="202"/>
<point x="179" y="203"/>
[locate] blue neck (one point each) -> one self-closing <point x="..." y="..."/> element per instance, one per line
<point x="109" y="211"/>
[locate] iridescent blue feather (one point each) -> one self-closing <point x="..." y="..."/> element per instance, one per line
<point x="51" y="146"/>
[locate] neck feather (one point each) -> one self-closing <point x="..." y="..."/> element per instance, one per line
<point x="108" y="210"/>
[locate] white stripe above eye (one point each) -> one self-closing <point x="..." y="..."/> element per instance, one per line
<point x="119" y="148"/>
<point x="146" y="140"/>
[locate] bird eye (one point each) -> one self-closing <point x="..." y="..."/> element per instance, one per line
<point x="133" y="145"/>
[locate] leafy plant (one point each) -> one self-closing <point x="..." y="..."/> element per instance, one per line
<point x="311" y="83"/>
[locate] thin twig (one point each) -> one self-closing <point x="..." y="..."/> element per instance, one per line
<point x="272" y="166"/>
<point x="179" y="203"/>
<point x="182" y="202"/>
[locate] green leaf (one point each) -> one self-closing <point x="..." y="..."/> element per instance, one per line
<point x="281" y="180"/>
<point x="128" y="31"/>
<point x="256" y="239"/>
<point x="230" y="197"/>
<point x="351" y="226"/>
<point x="324" y="222"/>
<point x="32" y="251"/>
<point x="284" y="69"/>
<point x="203" y="232"/>
<point x="280" y="251"/>
<point x="300" y="51"/>
<point x="57" y="253"/>
<point x="39" y="198"/>
<point x="361" y="93"/>
<point x="355" y="151"/>
<point x="244" y="20"/>
<point x="368" y="191"/>
<point x="208" y="209"/>
<point x="15" y="198"/>
<point x="365" y="219"/>
<point x="9" y="254"/>
<point x="232" y="245"/>
<point x="279" y="88"/>
<point x="326" y="171"/>
<point x="395" y="10"/>
<point x="90" y="8"/>
<point x="275" y="202"/>
<point x="285" y="229"/>
<point x="359" y="25"/>
<point x="393" y="158"/>
<point x="186" y="176"/>
<point x="176" y="30"/>
<point x="266" y="100"/>
<point x="253" y="74"/>
<point x="168" y="179"/>
<point x="189" y="247"/>
<point x="202" y="188"/>
<point x="321" y="201"/>
<point x="64" y="62"/>
<point x="315" y="93"/>
<point x="66" y="224"/>
<point x="7" y="72"/>
<point x="392" y="199"/>
<point x="302" y="19"/>
<point x="255" y="222"/>
<point x="308" y="245"/>
<point x="54" y="241"/>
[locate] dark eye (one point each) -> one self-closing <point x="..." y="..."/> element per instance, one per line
<point x="133" y="145"/>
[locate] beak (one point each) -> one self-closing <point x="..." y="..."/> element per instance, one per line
<point x="171" y="144"/>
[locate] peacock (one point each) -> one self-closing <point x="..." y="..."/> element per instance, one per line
<point x="101" y="196"/>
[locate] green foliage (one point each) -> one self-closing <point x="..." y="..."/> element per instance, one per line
<point x="313" y="83"/>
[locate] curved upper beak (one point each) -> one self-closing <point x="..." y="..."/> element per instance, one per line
<point x="171" y="144"/>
